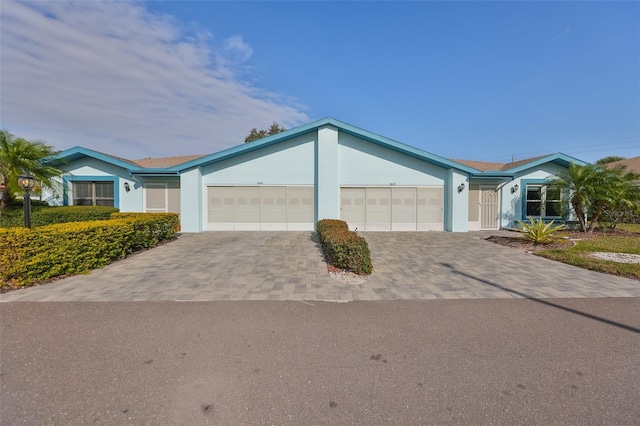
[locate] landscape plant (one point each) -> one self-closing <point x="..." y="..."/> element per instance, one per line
<point x="538" y="231"/>
<point x="591" y="189"/>
<point x="42" y="215"/>
<point x="36" y="254"/>
<point x="18" y="155"/>
<point x="343" y="248"/>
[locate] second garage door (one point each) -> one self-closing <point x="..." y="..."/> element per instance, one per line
<point x="393" y="208"/>
<point x="266" y="208"/>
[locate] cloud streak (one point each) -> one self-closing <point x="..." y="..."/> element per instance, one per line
<point x="114" y="77"/>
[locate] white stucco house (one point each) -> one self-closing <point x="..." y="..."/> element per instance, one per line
<point x="324" y="169"/>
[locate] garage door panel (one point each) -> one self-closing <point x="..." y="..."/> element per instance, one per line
<point x="430" y="209"/>
<point x="246" y="208"/>
<point x="273" y="205"/>
<point x="352" y="207"/>
<point x="247" y="212"/>
<point x="403" y="209"/>
<point x="220" y="203"/>
<point x="300" y="208"/>
<point x="393" y="208"/>
<point x="378" y="212"/>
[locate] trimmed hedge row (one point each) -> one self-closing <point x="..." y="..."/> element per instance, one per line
<point x="42" y="216"/>
<point x="36" y="254"/>
<point x="345" y="249"/>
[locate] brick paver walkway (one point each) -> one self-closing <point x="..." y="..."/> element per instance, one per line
<point x="289" y="266"/>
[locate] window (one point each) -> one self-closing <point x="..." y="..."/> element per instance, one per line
<point x="543" y="201"/>
<point x="93" y="194"/>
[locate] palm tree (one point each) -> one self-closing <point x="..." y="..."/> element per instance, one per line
<point x="593" y="189"/>
<point x="616" y="190"/>
<point x="18" y="155"/>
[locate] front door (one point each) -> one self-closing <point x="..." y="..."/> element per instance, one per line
<point x="489" y="207"/>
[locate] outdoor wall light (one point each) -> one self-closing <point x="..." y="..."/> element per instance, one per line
<point x="127" y="187"/>
<point x="461" y="187"/>
<point x="515" y="188"/>
<point x="26" y="182"/>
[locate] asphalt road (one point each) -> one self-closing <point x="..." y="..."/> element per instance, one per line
<point x="492" y="361"/>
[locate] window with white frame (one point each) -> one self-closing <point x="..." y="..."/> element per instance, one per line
<point x="93" y="193"/>
<point x="544" y="201"/>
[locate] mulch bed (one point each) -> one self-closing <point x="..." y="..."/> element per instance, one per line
<point x="523" y="244"/>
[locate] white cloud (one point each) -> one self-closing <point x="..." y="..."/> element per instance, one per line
<point x="236" y="47"/>
<point x="114" y="77"/>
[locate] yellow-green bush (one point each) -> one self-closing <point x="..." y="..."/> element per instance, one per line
<point x="345" y="249"/>
<point x="42" y="216"/>
<point x="36" y="254"/>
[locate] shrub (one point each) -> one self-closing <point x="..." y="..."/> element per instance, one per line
<point x="344" y="249"/>
<point x="42" y="216"/>
<point x="325" y="226"/>
<point x="538" y="231"/>
<point x="36" y="254"/>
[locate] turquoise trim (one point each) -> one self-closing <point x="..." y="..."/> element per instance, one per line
<point x="72" y="154"/>
<point x="114" y="179"/>
<point x="523" y="196"/>
<point x="313" y="126"/>
<point x="558" y="158"/>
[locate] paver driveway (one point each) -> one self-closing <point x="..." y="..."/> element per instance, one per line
<point x="289" y="266"/>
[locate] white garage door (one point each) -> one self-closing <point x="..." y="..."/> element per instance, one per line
<point x="255" y="208"/>
<point x="393" y="209"/>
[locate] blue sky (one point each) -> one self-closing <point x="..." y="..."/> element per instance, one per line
<point x="475" y="80"/>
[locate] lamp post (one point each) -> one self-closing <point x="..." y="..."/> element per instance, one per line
<point x="26" y="182"/>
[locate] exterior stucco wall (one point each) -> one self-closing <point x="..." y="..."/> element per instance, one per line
<point x="456" y="203"/>
<point x="290" y="162"/>
<point x="192" y="201"/>
<point x="287" y="163"/>
<point x="511" y="206"/>
<point x="362" y="163"/>
<point x="327" y="175"/>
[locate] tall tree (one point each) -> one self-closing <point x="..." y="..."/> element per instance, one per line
<point x="256" y="134"/>
<point x="609" y="159"/>
<point x="18" y="155"/>
<point x="592" y="189"/>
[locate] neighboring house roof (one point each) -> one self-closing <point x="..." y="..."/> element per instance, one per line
<point x="632" y="164"/>
<point x="489" y="169"/>
<point x="481" y="165"/>
<point x="166" y="161"/>
<point x="494" y="167"/>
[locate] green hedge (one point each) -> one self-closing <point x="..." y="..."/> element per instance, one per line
<point x="345" y="249"/>
<point x="37" y="254"/>
<point x="43" y="216"/>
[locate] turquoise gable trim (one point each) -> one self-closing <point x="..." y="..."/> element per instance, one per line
<point x="114" y="179"/>
<point x="559" y="158"/>
<point x="72" y="154"/>
<point x="313" y="126"/>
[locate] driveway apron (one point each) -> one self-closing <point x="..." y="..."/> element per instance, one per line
<point x="290" y="266"/>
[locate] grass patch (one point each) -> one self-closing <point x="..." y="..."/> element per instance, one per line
<point x="629" y="227"/>
<point x="579" y="254"/>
